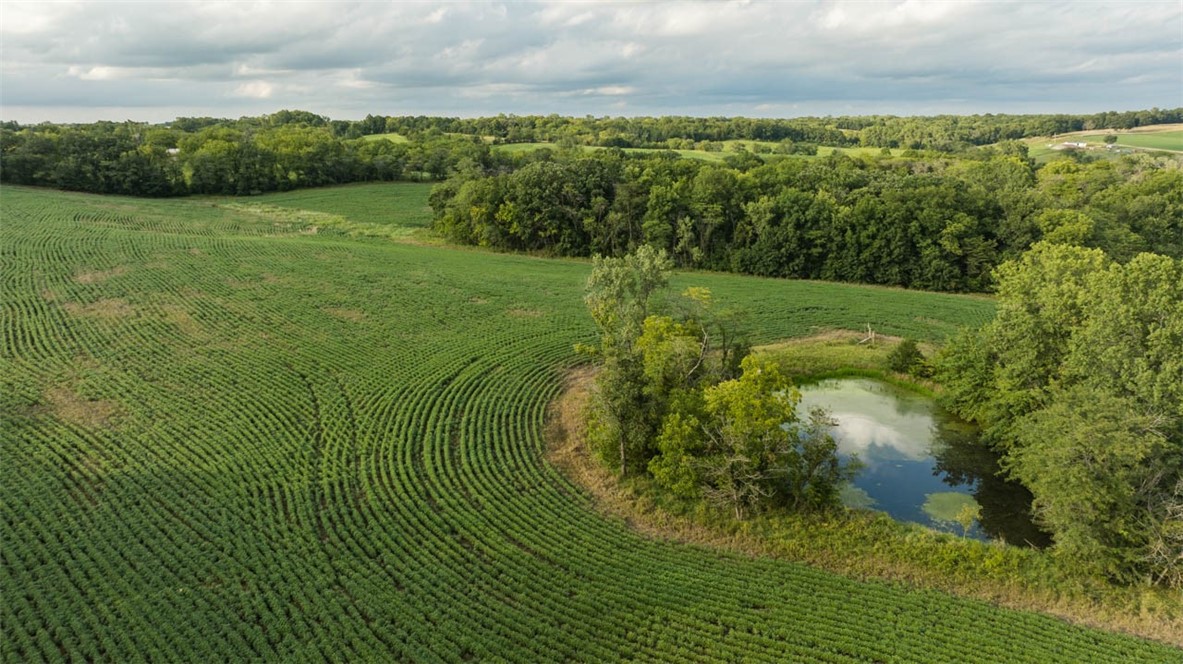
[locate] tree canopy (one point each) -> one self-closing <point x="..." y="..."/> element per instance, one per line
<point x="677" y="397"/>
<point x="930" y="222"/>
<point x="1079" y="379"/>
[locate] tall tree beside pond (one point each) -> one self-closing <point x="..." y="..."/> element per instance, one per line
<point x="1079" y="380"/>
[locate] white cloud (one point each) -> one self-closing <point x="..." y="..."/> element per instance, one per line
<point x="611" y="90"/>
<point x="100" y="73"/>
<point x="255" y="90"/>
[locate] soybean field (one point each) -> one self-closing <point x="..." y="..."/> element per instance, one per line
<point x="231" y="434"/>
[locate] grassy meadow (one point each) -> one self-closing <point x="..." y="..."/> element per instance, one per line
<point x="392" y="137"/>
<point x="396" y="204"/>
<point x="282" y="428"/>
<point x="1158" y="140"/>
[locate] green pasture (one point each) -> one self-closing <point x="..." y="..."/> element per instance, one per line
<point x="231" y="436"/>
<point x="392" y="137"/>
<point x="1150" y="140"/>
<point x="1167" y="138"/>
<point x="387" y="203"/>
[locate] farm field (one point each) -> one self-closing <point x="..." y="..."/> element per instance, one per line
<point x="1159" y="140"/>
<point x="1152" y="138"/>
<point x="230" y="434"/>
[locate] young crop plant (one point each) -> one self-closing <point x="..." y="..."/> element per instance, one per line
<point x="227" y="440"/>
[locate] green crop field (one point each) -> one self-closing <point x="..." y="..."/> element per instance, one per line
<point x="228" y="437"/>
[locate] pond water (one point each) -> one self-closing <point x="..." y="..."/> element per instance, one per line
<point x="921" y="463"/>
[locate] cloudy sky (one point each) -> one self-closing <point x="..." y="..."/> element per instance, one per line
<point x="83" y="61"/>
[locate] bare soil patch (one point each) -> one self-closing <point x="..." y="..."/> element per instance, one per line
<point x="106" y="309"/>
<point x="98" y="276"/>
<point x="66" y="405"/>
<point x="346" y="314"/>
<point x="179" y="316"/>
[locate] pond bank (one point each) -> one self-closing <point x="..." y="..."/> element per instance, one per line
<point x="860" y="545"/>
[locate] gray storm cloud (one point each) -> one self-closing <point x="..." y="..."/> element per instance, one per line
<point x="86" y="61"/>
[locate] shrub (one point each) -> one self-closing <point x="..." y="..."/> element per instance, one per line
<point x="906" y="358"/>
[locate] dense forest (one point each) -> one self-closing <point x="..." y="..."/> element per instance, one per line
<point x="928" y="221"/>
<point x="280" y="152"/>
<point x="945" y="132"/>
<point x="940" y="215"/>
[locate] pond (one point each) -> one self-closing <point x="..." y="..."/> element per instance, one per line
<point x="921" y="463"/>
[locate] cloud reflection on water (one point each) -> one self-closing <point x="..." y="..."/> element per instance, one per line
<point x="874" y="440"/>
<point x="877" y="425"/>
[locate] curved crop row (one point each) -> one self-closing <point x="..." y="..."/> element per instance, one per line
<point x="223" y="443"/>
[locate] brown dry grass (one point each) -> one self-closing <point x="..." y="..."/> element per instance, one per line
<point x="832" y="335"/>
<point x="566" y="449"/>
<point x="106" y="309"/>
<point x="67" y="406"/>
<point x="98" y="276"/>
<point x="179" y="316"/>
<point x="354" y="315"/>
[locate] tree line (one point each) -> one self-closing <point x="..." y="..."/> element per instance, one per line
<point x="943" y="132"/>
<point x="928" y="220"/>
<point x="293" y="149"/>
<point x="205" y="156"/>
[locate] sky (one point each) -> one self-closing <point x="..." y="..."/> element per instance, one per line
<point x="154" y="61"/>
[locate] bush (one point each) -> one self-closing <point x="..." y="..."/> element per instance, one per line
<point x="907" y="358"/>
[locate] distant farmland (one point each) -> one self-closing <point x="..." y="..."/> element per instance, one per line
<point x="1160" y="140"/>
<point x="1150" y="138"/>
<point x="233" y="434"/>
